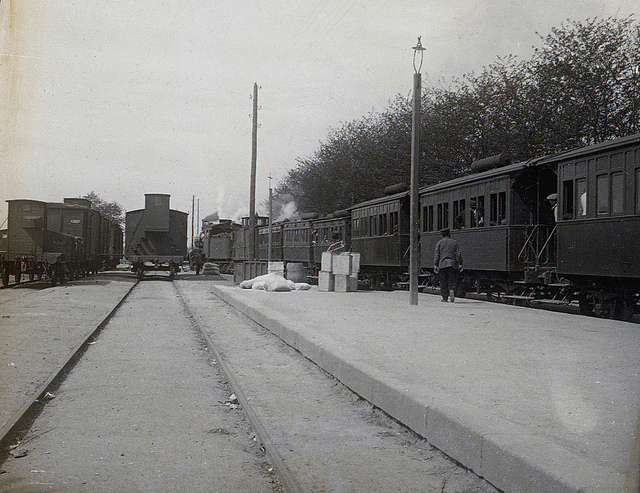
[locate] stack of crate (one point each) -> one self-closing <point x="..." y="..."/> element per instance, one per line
<point x="276" y="268"/>
<point x="326" y="279"/>
<point x="339" y="272"/>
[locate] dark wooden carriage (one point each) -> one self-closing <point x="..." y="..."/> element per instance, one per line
<point x="380" y="234"/>
<point x="331" y="233"/>
<point x="599" y="224"/>
<point x="500" y="219"/>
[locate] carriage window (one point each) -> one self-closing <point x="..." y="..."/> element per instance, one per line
<point x="459" y="219"/>
<point x="443" y="215"/>
<point x="477" y="211"/>
<point x="567" y="199"/>
<point x="384" y="229"/>
<point x="425" y="221"/>
<point x="602" y="194"/>
<point x="502" y="208"/>
<point x="581" y="196"/>
<point x="617" y="193"/>
<point x="395" y="224"/>
<point x="493" y="209"/>
<point x="427" y="217"/>
<point x="637" y="189"/>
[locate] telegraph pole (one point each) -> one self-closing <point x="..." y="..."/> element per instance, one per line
<point x="270" y="221"/>
<point x="415" y="166"/>
<point x="193" y="204"/>
<point x="254" y="157"/>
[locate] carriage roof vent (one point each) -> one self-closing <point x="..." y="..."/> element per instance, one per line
<point x="491" y="162"/>
<point x="309" y="215"/>
<point x="397" y="188"/>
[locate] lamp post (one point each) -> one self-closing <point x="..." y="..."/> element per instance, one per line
<point x="415" y="165"/>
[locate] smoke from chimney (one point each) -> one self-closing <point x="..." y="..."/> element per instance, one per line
<point x="284" y="207"/>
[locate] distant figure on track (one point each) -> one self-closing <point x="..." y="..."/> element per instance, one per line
<point x="198" y="261"/>
<point x="447" y="261"/>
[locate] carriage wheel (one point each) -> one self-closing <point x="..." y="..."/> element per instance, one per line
<point x="587" y="304"/>
<point x="59" y="273"/>
<point x="5" y="274"/>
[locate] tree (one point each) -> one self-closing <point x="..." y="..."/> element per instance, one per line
<point x="110" y="210"/>
<point x="585" y="83"/>
<point x="582" y="86"/>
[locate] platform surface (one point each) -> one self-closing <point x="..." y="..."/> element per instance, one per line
<point x="534" y="401"/>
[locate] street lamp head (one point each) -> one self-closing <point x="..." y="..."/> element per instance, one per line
<point x="418" y="49"/>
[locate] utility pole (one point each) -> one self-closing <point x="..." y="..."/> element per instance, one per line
<point x="270" y="221"/>
<point x="254" y="156"/>
<point x="193" y="202"/>
<point x="415" y="166"/>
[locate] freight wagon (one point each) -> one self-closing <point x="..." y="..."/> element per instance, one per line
<point x="156" y="237"/>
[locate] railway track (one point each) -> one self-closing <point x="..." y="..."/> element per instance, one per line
<point x="306" y="431"/>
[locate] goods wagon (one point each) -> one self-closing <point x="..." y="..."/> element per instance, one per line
<point x="156" y="236"/>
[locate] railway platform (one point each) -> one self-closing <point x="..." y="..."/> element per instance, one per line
<point x="533" y="401"/>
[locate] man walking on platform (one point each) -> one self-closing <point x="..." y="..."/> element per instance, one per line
<point x="447" y="260"/>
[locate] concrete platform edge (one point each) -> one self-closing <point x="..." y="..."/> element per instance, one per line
<point x="500" y="451"/>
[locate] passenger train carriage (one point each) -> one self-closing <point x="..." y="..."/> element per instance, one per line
<point x="516" y="244"/>
<point x="598" y="231"/>
<point x="380" y="233"/>
<point x="499" y="217"/>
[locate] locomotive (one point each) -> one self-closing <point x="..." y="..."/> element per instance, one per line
<point x="57" y="240"/>
<point x="217" y="243"/>
<point x="156" y="237"/>
<point x="517" y="245"/>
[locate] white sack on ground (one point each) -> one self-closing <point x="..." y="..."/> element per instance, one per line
<point x="273" y="282"/>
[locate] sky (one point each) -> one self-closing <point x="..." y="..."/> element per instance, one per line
<point x="129" y="97"/>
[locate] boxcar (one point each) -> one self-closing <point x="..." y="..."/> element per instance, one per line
<point x="156" y="236"/>
<point x="114" y="245"/>
<point x="33" y="249"/>
<point x="73" y="220"/>
<point x="3" y="249"/>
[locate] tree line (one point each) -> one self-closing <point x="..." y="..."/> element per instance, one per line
<point x="581" y="86"/>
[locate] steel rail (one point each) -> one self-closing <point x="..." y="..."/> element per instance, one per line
<point x="23" y="418"/>
<point x="283" y="473"/>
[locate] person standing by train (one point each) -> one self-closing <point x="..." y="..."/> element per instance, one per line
<point x="198" y="261"/>
<point x="447" y="261"/>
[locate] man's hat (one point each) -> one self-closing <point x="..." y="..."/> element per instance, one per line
<point x="444" y="231"/>
<point x="553" y="196"/>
